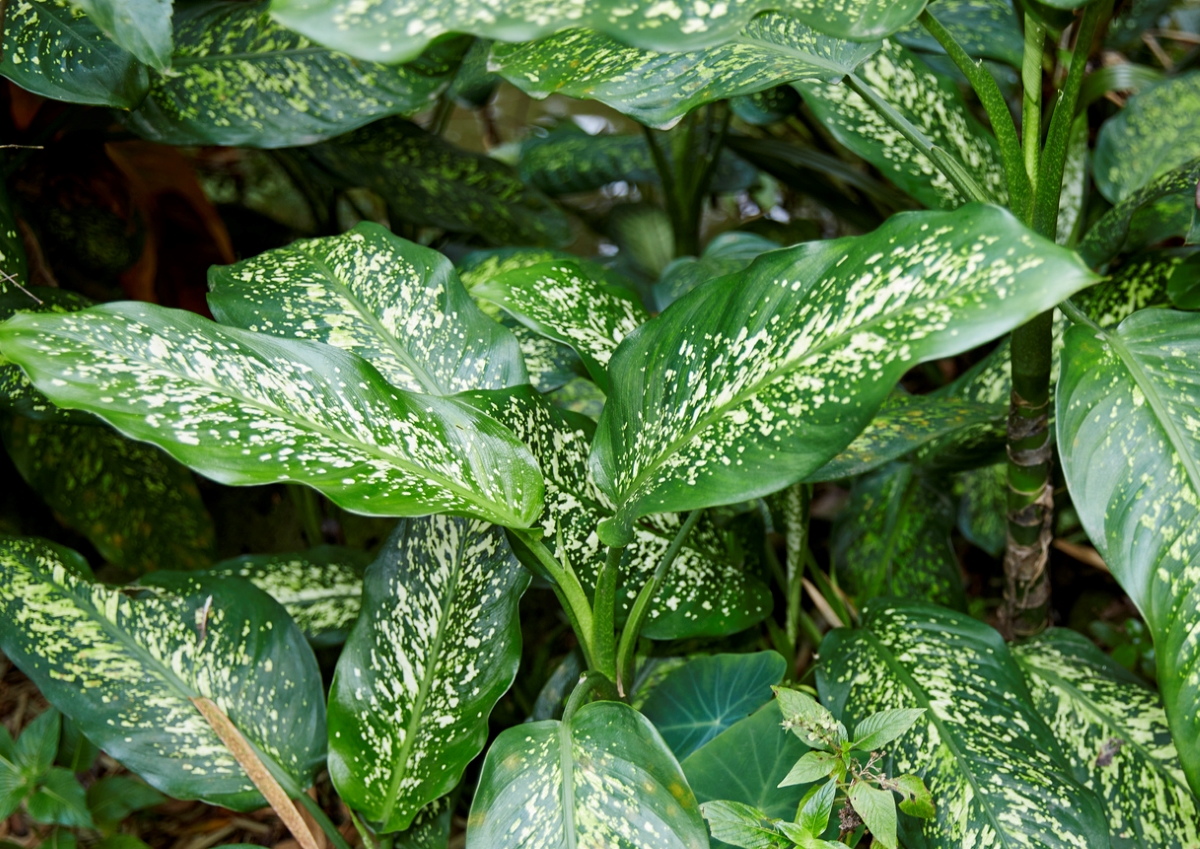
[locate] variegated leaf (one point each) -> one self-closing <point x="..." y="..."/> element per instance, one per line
<point x="52" y="48"/>
<point x="397" y="30"/>
<point x="986" y="29"/>
<point x="706" y="592"/>
<point x="143" y="27"/>
<point x="1129" y="439"/>
<point x="995" y="769"/>
<point x="245" y="408"/>
<point x="430" y="829"/>
<point x="238" y="78"/>
<point x="396" y="304"/>
<point x="124" y="665"/>
<point x="16" y="391"/>
<point x="1114" y="732"/>
<point x="438" y="643"/>
<point x="559" y="301"/>
<point x="1105" y="239"/>
<point x="933" y="104"/>
<point x="321" y="588"/>
<point x="601" y="778"/>
<point x="756" y="380"/>
<point x="727" y="253"/>
<point x="139" y="507"/>
<point x="12" y="249"/>
<point x="893" y="539"/>
<point x="1140" y="282"/>
<point x="1156" y="132"/>
<point x="660" y="88"/>
<point x="983" y="507"/>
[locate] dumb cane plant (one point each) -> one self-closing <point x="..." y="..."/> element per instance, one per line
<point x="366" y="367"/>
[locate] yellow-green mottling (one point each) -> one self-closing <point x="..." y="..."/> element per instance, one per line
<point x="605" y="778"/>
<point x="123" y="665"/>
<point x="12" y="250"/>
<point x="999" y="778"/>
<point x="986" y="29"/>
<point x="1139" y="283"/>
<point x="438" y="643"/>
<point x="1114" y="732"/>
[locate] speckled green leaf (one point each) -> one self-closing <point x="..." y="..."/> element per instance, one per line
<point x="727" y="253"/>
<point x="706" y="695"/>
<point x="1183" y="285"/>
<point x="12" y="250"/>
<point x="933" y="103"/>
<point x="143" y="27"/>
<point x="983" y="507"/>
<point x="765" y="107"/>
<point x="756" y="380"/>
<point x="660" y="88"/>
<point x="397" y="30"/>
<point x="245" y="408"/>
<point x="321" y="588"/>
<point x="1129" y="439"/>
<point x="396" y="304"/>
<point x="427" y="181"/>
<point x="1106" y="237"/>
<point x="124" y="665"/>
<point x="1156" y="132"/>
<point x="997" y="774"/>
<point x="893" y="539"/>
<point x="707" y="592"/>
<point x="986" y="29"/>
<point x="430" y="828"/>
<point x="438" y="643"/>
<point x="604" y="778"/>
<point x="1140" y="282"/>
<point x="1114" y="732"/>
<point x="561" y="302"/>
<point x="16" y="391"/>
<point x="237" y="78"/>
<point x="478" y="267"/>
<point x="746" y="763"/>
<point x="53" y="49"/>
<point x="139" y="507"/>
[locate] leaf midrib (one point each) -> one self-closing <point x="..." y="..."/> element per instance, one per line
<point x="796" y="53"/>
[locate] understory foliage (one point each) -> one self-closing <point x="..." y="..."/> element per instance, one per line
<point x="639" y="424"/>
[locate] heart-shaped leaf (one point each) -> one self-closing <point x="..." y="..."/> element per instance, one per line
<point x="1129" y="440"/>
<point x="125" y="666"/>
<point x="754" y="381"/>
<point x="245" y="408"/>
<point x="660" y="88"/>
<point x="603" y="777"/>
<point x="1107" y="236"/>
<point x="396" y="304"/>
<point x="53" y="48"/>
<point x="1115" y="733"/>
<point x="993" y="766"/>
<point x="238" y="78"/>
<point x="438" y="643"/>
<point x="143" y="27"/>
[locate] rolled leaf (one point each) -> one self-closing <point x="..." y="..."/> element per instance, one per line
<point x="143" y="27"/>
<point x="1106" y="237"/>
<point x="1114" y="732"/>
<point x="438" y="643"/>
<point x="396" y="304"/>
<point x="1129" y="440"/>
<point x="124" y="667"/>
<point x="52" y="48"/>
<point x="238" y="78"/>
<point x="992" y="764"/>
<point x="602" y="778"/>
<point x="756" y="380"/>
<point x="245" y="408"/>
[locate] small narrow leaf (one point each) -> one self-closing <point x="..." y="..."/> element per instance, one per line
<point x="879" y="729"/>
<point x="812" y="767"/>
<point x="743" y="825"/>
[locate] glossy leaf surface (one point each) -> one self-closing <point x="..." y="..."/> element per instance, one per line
<point x="1142" y="281"/>
<point x="986" y="29"/>
<point x="1105" y="238"/>
<point x="244" y="408"/>
<point x="125" y="666"/>
<point x="789" y="360"/>
<point x="604" y="778"/>
<point x="143" y="27"/>
<point x="396" y="304"/>
<point x="994" y="767"/>
<point x="725" y="254"/>
<point x="17" y="393"/>
<point x="437" y="644"/>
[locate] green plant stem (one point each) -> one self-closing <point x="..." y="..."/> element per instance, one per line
<point x="687" y="174"/>
<point x="1031" y="103"/>
<point x="327" y="826"/>
<point x="945" y="161"/>
<point x="590" y="681"/>
<point x="641" y="605"/>
<point x="796" y="503"/>
<point x="604" y="614"/>
<point x="984" y="84"/>
<point x="569" y="591"/>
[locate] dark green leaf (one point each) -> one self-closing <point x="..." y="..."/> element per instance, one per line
<point x="893" y="539"/>
<point x="727" y="253"/>
<point x="427" y="181"/>
<point x="245" y="408"/>
<point x="1107" y="236"/>
<point x="1142" y="281"/>
<point x="1129" y="439"/>
<point x="128" y="841"/>
<point x="789" y="360"/>
<point x="59" y="800"/>
<point x="603" y="778"/>
<point x="430" y="828"/>
<point x="143" y="27"/>
<point x="986" y="29"/>
<point x="993" y="766"/>
<point x="396" y="304"/>
<point x="767" y="106"/>
<point x="53" y="49"/>
<point x="983" y="507"/>
<point x="59" y="838"/>
<point x="75" y="752"/>
<point x="1183" y="287"/>
<point x="438" y="643"/>
<point x="705" y="696"/>
<point x="139" y="507"/>
<point x="739" y="824"/>
<point x="1115" y="734"/>
<point x="552" y="697"/>
<point x="238" y="78"/>
<point x="12" y="250"/>
<point x="16" y="391"/>
<point x="474" y="84"/>
<point x="124" y="668"/>
<point x="114" y="797"/>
